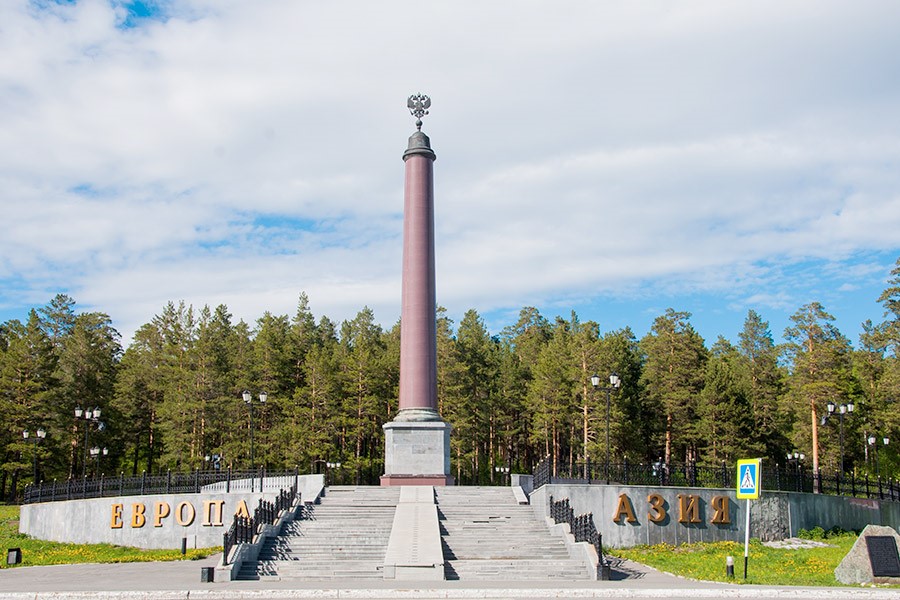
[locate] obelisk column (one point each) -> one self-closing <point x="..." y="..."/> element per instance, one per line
<point x="418" y="343"/>
<point x="417" y="441"/>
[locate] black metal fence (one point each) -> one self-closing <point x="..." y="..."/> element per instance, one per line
<point x="582" y="529"/>
<point x="243" y="529"/>
<point x="168" y="483"/>
<point x="784" y="479"/>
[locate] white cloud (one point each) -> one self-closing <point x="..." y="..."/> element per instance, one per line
<point x="241" y="152"/>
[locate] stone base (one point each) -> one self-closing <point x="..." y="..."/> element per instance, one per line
<point x="438" y="480"/>
<point x="416" y="453"/>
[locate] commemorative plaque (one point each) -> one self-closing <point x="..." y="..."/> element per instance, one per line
<point x="883" y="556"/>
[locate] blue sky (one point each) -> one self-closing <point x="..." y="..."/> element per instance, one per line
<point x="614" y="158"/>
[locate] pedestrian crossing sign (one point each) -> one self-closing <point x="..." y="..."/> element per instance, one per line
<point x="748" y="479"/>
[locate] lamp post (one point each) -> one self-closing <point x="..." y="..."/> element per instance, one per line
<point x="39" y="435"/>
<point x="873" y="441"/>
<point x="329" y="466"/>
<point x="614" y="383"/>
<point x="248" y="398"/>
<point x="90" y="416"/>
<point x="795" y="458"/>
<point x="503" y="471"/>
<point x="95" y="454"/>
<point x="844" y="409"/>
<point x="213" y="459"/>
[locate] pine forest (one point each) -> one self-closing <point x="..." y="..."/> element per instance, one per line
<point x="172" y="400"/>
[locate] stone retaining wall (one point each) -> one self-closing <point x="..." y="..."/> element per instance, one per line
<point x="678" y="515"/>
<point x="153" y="520"/>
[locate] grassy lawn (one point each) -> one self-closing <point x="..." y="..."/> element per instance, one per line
<point x="767" y="566"/>
<point x="37" y="552"/>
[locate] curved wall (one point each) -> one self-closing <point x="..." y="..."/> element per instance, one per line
<point x="679" y="515"/>
<point x="153" y="520"/>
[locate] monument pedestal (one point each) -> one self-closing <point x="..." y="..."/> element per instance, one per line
<point x="416" y="453"/>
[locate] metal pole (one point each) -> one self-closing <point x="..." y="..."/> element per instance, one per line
<point x="841" y="419"/>
<point x="585" y="440"/>
<point x="747" y="539"/>
<point x="607" y="435"/>
<point x="875" y="446"/>
<point x="84" y="466"/>
<point x="252" y="464"/>
<point x="34" y="457"/>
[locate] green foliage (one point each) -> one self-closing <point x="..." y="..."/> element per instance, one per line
<point x="674" y="377"/>
<point x="173" y="397"/>
<point x="818" y="534"/>
<point x="767" y="566"/>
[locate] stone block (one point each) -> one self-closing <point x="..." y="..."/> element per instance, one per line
<point x="417" y="451"/>
<point x="857" y="566"/>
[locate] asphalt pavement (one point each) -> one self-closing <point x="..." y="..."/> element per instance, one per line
<point x="181" y="580"/>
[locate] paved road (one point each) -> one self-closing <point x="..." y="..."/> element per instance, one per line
<point x="181" y="581"/>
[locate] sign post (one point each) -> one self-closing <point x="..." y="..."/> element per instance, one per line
<point x="748" y="478"/>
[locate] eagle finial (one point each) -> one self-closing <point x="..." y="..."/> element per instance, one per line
<point x="418" y="105"/>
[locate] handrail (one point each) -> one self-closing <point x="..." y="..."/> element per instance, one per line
<point x="243" y="529"/>
<point x="582" y="529"/>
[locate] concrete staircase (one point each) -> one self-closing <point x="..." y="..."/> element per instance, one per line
<point x="486" y="535"/>
<point x="343" y="537"/>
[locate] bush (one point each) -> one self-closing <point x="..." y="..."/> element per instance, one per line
<point x="816" y="533"/>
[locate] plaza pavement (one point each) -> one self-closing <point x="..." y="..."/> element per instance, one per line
<point x="181" y="581"/>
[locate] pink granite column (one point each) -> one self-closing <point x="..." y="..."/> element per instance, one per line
<point x="418" y="345"/>
<point x="417" y="441"/>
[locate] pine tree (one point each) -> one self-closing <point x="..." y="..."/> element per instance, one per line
<point x="765" y="386"/>
<point x="820" y="372"/>
<point x="632" y="427"/>
<point x="674" y="376"/>
<point x="474" y="413"/>
<point x="27" y="382"/>
<point x="552" y="398"/>
<point x="725" y="410"/>
<point x="365" y="383"/>
<point x="89" y="355"/>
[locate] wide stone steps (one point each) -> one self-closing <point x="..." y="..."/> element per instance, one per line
<point x="487" y="535"/>
<point x="345" y="536"/>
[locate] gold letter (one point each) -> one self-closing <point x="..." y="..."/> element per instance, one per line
<point x="137" y="514"/>
<point x="115" y="521"/>
<point x="721" y="504"/>
<point x="179" y="514"/>
<point x="624" y="509"/>
<point x="658" y="505"/>
<point x="242" y="510"/>
<point x="688" y="508"/>
<point x="159" y="513"/>
<point x="212" y="511"/>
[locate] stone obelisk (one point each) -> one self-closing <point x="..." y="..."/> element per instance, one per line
<point x="417" y="441"/>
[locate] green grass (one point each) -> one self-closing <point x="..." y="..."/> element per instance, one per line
<point x="38" y="552"/>
<point x="767" y="566"/>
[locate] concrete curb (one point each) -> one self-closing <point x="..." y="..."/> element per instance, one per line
<point x="474" y="593"/>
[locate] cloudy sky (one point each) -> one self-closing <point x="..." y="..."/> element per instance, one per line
<point x="615" y="158"/>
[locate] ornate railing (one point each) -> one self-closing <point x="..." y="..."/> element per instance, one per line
<point x="243" y="529"/>
<point x="784" y="479"/>
<point x="166" y="483"/>
<point x="582" y="529"/>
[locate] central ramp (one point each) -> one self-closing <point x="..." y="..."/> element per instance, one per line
<point x="487" y="535"/>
